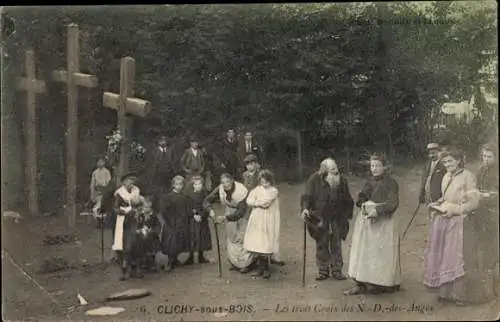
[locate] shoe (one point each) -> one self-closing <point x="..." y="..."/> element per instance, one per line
<point x="355" y="290"/>
<point x="189" y="261"/>
<point x="202" y="260"/>
<point x="260" y="268"/>
<point x="244" y="270"/>
<point x="234" y="268"/>
<point x="339" y="276"/>
<point x="321" y="277"/>
<point x="277" y="262"/>
<point x="169" y="267"/>
<point x="175" y="263"/>
<point x="266" y="274"/>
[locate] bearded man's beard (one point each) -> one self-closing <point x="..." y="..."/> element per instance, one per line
<point x="333" y="180"/>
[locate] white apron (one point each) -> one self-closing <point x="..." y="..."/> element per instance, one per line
<point x="120" y="219"/>
<point x="375" y="251"/>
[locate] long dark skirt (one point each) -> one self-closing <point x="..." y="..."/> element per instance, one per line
<point x="175" y="239"/>
<point x="201" y="239"/>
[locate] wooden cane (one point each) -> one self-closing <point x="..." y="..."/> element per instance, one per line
<point x="218" y="248"/>
<point x="304" y="258"/>
<point x="102" y="238"/>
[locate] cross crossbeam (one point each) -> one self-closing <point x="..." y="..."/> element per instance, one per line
<point x="126" y="105"/>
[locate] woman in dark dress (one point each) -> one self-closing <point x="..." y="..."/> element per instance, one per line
<point x="481" y="242"/>
<point x="174" y="208"/>
<point x="126" y="203"/>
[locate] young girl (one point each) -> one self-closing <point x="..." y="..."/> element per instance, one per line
<point x="200" y="238"/>
<point x="175" y="210"/>
<point x="262" y="234"/>
<point x="99" y="184"/>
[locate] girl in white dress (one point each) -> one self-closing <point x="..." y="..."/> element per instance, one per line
<point x="262" y="234"/>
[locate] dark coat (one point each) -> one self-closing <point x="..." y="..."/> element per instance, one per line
<point x="230" y="157"/>
<point x="201" y="239"/>
<point x="161" y="167"/>
<point x="255" y="149"/>
<point x="174" y="208"/>
<point x="327" y="205"/>
<point x="435" y="184"/>
<point x="384" y="190"/>
<point x="487" y="181"/>
<point x="193" y="164"/>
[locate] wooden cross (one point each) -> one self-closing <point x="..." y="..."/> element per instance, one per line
<point x="73" y="78"/>
<point x="32" y="86"/>
<point x="125" y="105"/>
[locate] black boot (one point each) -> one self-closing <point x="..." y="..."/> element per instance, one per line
<point x="125" y="270"/>
<point x="138" y="272"/>
<point x="202" y="259"/>
<point x="266" y="273"/>
<point x="260" y="267"/>
<point x="189" y="260"/>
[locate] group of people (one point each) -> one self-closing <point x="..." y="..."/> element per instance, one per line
<point x="163" y="163"/>
<point x="461" y="255"/>
<point x="462" y="208"/>
<point x="173" y="217"/>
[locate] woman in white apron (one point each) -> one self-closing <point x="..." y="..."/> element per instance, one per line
<point x="232" y="196"/>
<point x="374" y="261"/>
<point x="127" y="201"/>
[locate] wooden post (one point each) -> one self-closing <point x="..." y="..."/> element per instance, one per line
<point x="32" y="86"/>
<point x="73" y="78"/>
<point x="125" y="105"/>
<point x="299" y="155"/>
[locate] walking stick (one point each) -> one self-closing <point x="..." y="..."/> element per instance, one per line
<point x="411" y="220"/>
<point x="304" y="258"/>
<point x="102" y="238"/>
<point x="218" y="248"/>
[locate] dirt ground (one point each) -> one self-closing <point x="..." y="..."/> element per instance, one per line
<point x="193" y="293"/>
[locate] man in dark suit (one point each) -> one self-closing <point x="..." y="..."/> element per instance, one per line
<point x="250" y="146"/>
<point x="193" y="161"/>
<point x="230" y="161"/>
<point x="434" y="170"/>
<point x="161" y="166"/>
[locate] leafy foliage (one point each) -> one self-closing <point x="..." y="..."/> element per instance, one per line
<point x="365" y="74"/>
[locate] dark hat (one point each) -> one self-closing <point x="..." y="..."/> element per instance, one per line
<point x="130" y="175"/>
<point x="315" y="227"/>
<point x="251" y="158"/>
<point x="193" y="138"/>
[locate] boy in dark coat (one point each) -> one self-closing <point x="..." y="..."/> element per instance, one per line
<point x="174" y="208"/>
<point x="200" y="237"/>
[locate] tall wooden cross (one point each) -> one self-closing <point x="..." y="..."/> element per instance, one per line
<point x="32" y="86"/>
<point x="125" y="105"/>
<point x="73" y="78"/>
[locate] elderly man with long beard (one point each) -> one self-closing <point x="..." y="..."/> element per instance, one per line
<point x="327" y="206"/>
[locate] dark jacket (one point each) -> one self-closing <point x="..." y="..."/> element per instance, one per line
<point x="383" y="190"/>
<point x="255" y="149"/>
<point x="435" y="184"/>
<point x="195" y="164"/>
<point x="327" y="205"/>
